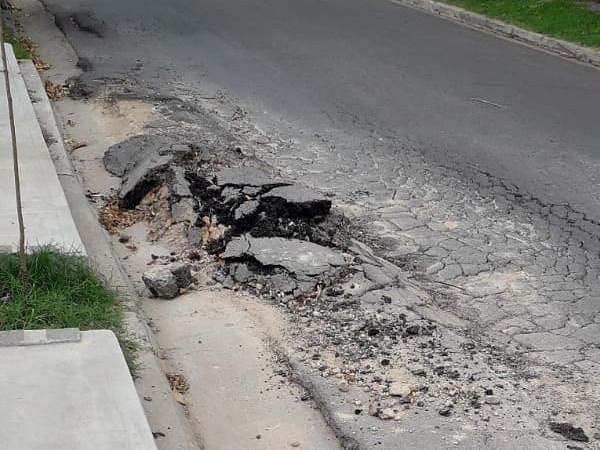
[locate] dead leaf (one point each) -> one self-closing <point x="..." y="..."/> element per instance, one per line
<point x="55" y="91"/>
<point x="41" y="65"/>
<point x="113" y="218"/>
<point x="178" y="382"/>
<point x="179" y="397"/>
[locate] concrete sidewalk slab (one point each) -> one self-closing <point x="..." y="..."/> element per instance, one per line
<point x="72" y="395"/>
<point x="46" y="212"/>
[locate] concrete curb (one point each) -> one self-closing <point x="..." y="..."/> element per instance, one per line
<point x="153" y="381"/>
<point x="474" y="20"/>
<point x="38" y="337"/>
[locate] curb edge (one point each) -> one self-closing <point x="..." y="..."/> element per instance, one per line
<point x="480" y="22"/>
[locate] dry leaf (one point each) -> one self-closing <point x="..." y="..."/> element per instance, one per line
<point x="113" y="218"/>
<point x="179" y="397"/>
<point x="55" y="91"/>
<point x="41" y="65"/>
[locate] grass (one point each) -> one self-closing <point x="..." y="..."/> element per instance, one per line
<point x="64" y="293"/>
<point x="565" y="19"/>
<point x="21" y="50"/>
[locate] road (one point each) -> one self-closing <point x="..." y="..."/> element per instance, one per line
<point x="354" y="67"/>
<point x="471" y="159"/>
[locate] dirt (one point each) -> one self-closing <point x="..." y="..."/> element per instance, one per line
<point x="224" y="345"/>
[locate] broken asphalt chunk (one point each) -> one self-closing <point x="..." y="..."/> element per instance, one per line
<point x="569" y="431"/>
<point x="298" y="201"/>
<point x="122" y="157"/>
<point x="140" y="180"/>
<point x="298" y="257"/>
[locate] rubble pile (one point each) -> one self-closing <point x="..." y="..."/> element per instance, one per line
<point x="276" y="237"/>
<point x="382" y="344"/>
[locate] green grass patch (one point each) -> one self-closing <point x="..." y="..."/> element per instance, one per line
<point x="566" y="19"/>
<point x="19" y="47"/>
<point x="64" y="292"/>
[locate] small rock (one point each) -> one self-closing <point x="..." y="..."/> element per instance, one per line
<point x="373" y="409"/>
<point x="240" y="272"/>
<point x="228" y="283"/>
<point x="335" y="291"/>
<point x="343" y="387"/>
<point x="417" y="370"/>
<point x="124" y="238"/>
<point x="295" y="444"/>
<point x="161" y="282"/>
<point x="387" y="414"/>
<point x="569" y="431"/>
<point x="445" y="411"/>
<point x="492" y="400"/>
<point x="399" y="389"/>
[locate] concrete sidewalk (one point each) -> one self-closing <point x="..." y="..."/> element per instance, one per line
<point x="47" y="216"/>
<point x="62" y="390"/>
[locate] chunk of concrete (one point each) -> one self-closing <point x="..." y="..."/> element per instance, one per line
<point x="161" y="282"/>
<point x="298" y="201"/>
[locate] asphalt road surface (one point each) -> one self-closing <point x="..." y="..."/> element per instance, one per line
<point x="360" y="86"/>
<point x="366" y="67"/>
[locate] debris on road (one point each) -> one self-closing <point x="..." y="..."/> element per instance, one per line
<point x="361" y="323"/>
<point x="569" y="431"/>
<point x="167" y="281"/>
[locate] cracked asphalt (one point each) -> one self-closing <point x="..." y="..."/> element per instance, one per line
<point x="493" y="211"/>
<point x="519" y="268"/>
